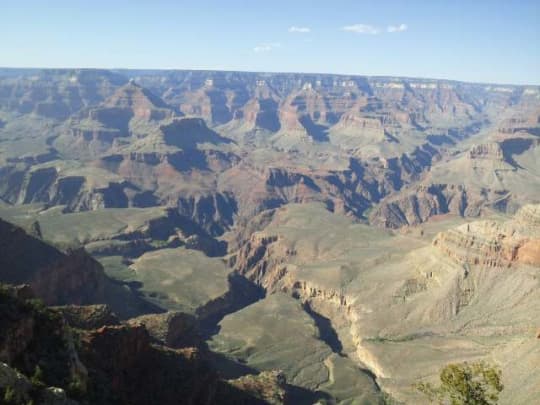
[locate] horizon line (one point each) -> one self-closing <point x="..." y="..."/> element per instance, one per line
<point x="276" y="72"/>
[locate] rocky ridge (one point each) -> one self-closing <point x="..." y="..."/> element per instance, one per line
<point x="493" y="244"/>
<point x="108" y="363"/>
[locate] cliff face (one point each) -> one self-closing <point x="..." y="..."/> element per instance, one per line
<point x="76" y="193"/>
<point x="485" y="243"/>
<point x="259" y="260"/>
<point x="56" y="277"/>
<point x="222" y="97"/>
<point x="423" y="203"/>
<point x="213" y="212"/>
<point x="258" y="141"/>
<point x="488" y="176"/>
<point x="529" y="216"/>
<point x="76" y="278"/>
<point x="107" y="364"/>
<point x="98" y="360"/>
<point x="98" y="129"/>
<point x="268" y="387"/>
<point x="177" y="375"/>
<point x="495" y="244"/>
<point x="60" y="92"/>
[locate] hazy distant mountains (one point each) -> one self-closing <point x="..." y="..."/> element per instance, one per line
<point x="264" y="140"/>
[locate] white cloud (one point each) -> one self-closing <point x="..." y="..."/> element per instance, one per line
<point x="362" y="29"/>
<point x="300" y="30"/>
<point x="397" y="28"/>
<point x="266" y="47"/>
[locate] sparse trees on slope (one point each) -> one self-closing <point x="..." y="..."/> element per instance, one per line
<point x="465" y="384"/>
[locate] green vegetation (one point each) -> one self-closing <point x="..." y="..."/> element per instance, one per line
<point x="388" y="399"/>
<point x="10" y="397"/>
<point x="37" y="379"/>
<point x="76" y="388"/>
<point x="465" y="384"/>
<point x="46" y="358"/>
<point x="77" y="229"/>
<point x="397" y="339"/>
<point x="180" y="279"/>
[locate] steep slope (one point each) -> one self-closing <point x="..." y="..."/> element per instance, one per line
<point x="60" y="278"/>
<point x="107" y="363"/>
<point x="500" y="174"/>
<point x="56" y="277"/>
<point x="352" y="141"/>
<point x="399" y="304"/>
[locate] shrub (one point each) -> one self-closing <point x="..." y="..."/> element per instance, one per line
<point x="465" y="384"/>
<point x="37" y="379"/>
<point x="10" y="396"/>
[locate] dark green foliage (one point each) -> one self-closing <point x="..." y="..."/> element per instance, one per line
<point x="10" y="397"/>
<point x="48" y="351"/>
<point x="76" y="388"/>
<point x="46" y="356"/>
<point x="35" y="230"/>
<point x="37" y="379"/>
<point x="465" y="384"/>
<point x="387" y="399"/>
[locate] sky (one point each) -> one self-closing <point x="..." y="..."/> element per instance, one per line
<point x="475" y="40"/>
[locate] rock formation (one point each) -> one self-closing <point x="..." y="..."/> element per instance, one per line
<point x="109" y="362"/>
<point x="55" y="277"/>
<point x="236" y="209"/>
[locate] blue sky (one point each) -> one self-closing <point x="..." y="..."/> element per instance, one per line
<point x="475" y="40"/>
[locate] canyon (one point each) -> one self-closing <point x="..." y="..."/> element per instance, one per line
<point x="288" y="238"/>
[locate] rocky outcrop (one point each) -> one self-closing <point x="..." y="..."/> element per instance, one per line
<point x="529" y="216"/>
<point x="129" y="112"/>
<point x="260" y="260"/>
<point x="75" y="278"/>
<point x="492" y="151"/>
<point x="268" y="387"/>
<point x="76" y="193"/>
<point x="491" y="244"/>
<point x="423" y="203"/>
<point x="260" y="113"/>
<point x="140" y="101"/>
<point x="17" y="383"/>
<point x="32" y="335"/>
<point x="88" y="316"/>
<point x="213" y="212"/>
<point x="172" y="329"/>
<point x="212" y="101"/>
<point x="98" y="360"/>
<point x="36" y="184"/>
<point x="186" y="133"/>
<point x="110" y="351"/>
